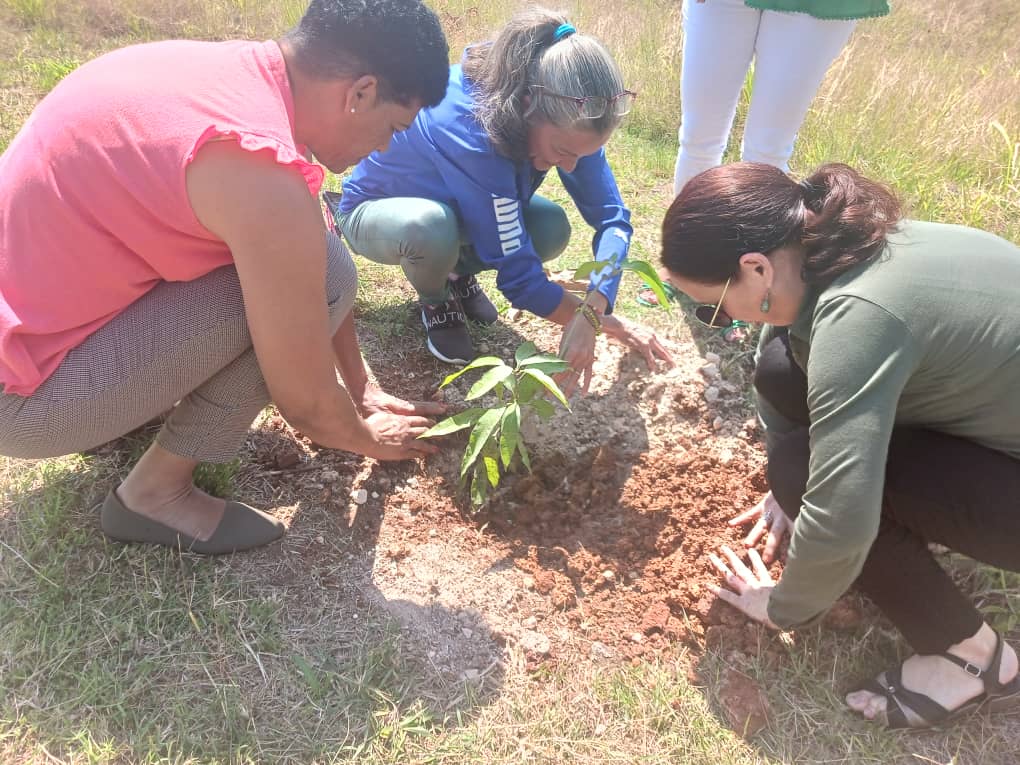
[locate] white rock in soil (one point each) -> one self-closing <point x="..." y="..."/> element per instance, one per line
<point x="711" y="394"/>
<point x="713" y="358"/>
<point x="360" y="496"/>
<point x="535" y="642"/>
<point x="470" y="674"/>
<point x="375" y="495"/>
<point x="717" y="423"/>
<point x="529" y="582"/>
<point x="601" y="651"/>
<point x="711" y="371"/>
<point x="329" y="476"/>
<point x="412" y="481"/>
<point x="608" y="575"/>
<point x="725" y="456"/>
<point x="530" y="623"/>
<point x="637" y="637"/>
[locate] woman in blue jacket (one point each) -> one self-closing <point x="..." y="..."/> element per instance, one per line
<point x="455" y="192"/>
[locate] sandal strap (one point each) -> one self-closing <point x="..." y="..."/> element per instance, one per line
<point x="988" y="676"/>
<point x="971" y="669"/>
<point x="928" y="710"/>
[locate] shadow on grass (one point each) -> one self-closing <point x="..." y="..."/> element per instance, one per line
<point x="127" y="653"/>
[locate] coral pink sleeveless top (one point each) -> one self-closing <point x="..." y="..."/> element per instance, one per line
<point x="93" y="206"/>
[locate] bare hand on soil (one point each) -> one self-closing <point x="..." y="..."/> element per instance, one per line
<point x="751" y="589"/>
<point x="767" y="516"/>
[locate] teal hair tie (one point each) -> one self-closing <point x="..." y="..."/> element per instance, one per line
<point x="563" y="30"/>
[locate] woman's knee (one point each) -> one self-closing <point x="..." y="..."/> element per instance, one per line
<point x="548" y="227"/>
<point x="781" y="382"/>
<point x="341" y="279"/>
<point x="787" y="470"/>
<point x="430" y="232"/>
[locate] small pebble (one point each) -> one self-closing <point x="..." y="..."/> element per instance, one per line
<point x="360" y="496"/>
<point x="375" y="495"/>
<point x="712" y="358"/>
<point x="711" y="394"/>
<point x="530" y="623"/>
<point x="717" y="423"/>
<point x="329" y="476"/>
<point x="608" y="575"/>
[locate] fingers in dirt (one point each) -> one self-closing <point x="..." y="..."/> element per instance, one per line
<point x="745" y="516"/>
<point x="738" y="565"/>
<point x="759" y="566"/>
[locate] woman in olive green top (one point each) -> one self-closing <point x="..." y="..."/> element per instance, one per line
<point x="905" y="430"/>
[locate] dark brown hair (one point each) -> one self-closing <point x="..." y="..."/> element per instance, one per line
<point x="728" y="211"/>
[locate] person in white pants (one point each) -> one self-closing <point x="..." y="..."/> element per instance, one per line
<point x="791" y="51"/>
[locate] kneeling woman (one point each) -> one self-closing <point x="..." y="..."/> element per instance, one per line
<point x="899" y="355"/>
<point x="455" y="193"/>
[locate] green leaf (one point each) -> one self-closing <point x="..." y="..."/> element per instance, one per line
<point x="542" y="408"/>
<point x="549" y="383"/>
<point x="459" y="421"/>
<point x="482" y="361"/>
<point x="488" y="381"/>
<point x="479" y="436"/>
<point x="479" y="486"/>
<point x="550" y="367"/>
<point x="651" y="277"/>
<point x="526" y="388"/>
<point x="509" y="434"/>
<point x="587" y="269"/>
<point x="492" y="470"/>
<point x="525" y="351"/>
<point x="524" y="455"/>
<point x="541" y="358"/>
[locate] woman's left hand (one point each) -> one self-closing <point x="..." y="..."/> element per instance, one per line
<point x="375" y="399"/>
<point x="751" y="590"/>
<point x="637" y="337"/>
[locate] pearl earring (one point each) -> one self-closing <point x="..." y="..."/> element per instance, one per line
<point x="766" y="303"/>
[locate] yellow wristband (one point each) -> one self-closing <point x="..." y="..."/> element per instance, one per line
<point x="591" y="316"/>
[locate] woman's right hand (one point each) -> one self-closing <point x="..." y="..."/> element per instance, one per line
<point x="577" y="348"/>
<point x="395" y="436"/>
<point x="769" y="517"/>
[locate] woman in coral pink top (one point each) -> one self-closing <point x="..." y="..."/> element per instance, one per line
<point x="162" y="247"/>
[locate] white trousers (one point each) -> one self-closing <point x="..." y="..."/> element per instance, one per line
<point x="791" y="51"/>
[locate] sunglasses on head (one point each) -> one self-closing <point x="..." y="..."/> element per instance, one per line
<point x="712" y="315"/>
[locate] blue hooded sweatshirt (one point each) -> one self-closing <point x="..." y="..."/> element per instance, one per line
<point x="446" y="155"/>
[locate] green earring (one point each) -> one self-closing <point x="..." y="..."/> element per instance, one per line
<point x="765" y="304"/>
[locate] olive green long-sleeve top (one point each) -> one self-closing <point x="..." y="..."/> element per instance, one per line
<point x="925" y="335"/>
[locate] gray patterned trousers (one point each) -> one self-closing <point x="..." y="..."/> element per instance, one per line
<point x="183" y="347"/>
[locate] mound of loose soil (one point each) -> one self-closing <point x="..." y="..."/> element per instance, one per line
<point x="603" y="549"/>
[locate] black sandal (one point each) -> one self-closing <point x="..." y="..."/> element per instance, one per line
<point x="910" y="709"/>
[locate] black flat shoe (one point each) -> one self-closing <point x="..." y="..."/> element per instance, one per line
<point x="241" y="528"/>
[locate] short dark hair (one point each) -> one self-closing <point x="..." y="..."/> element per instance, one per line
<point x="728" y="211"/>
<point x="399" y="41"/>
